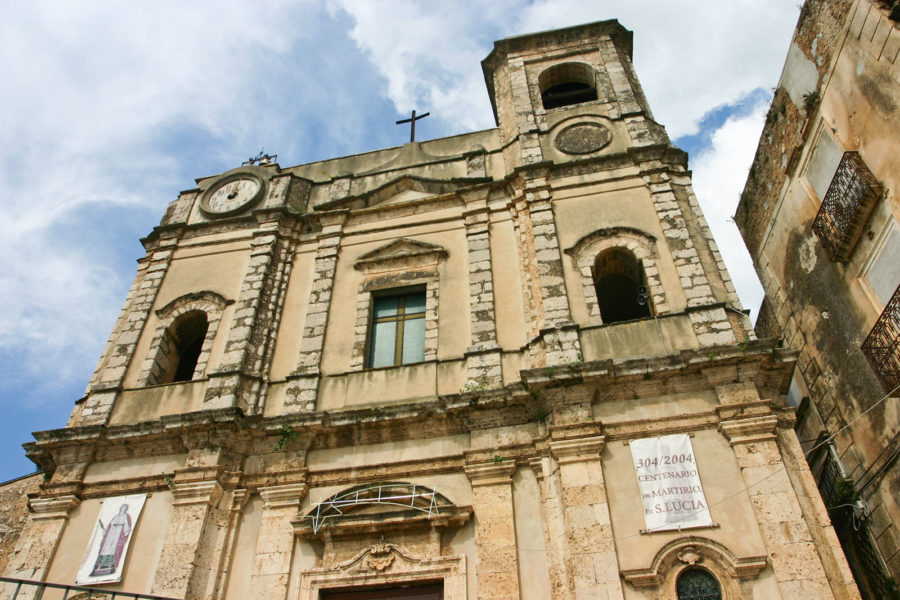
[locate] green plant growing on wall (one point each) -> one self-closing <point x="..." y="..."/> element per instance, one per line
<point x="810" y="99"/>
<point x="285" y="435"/>
<point x="498" y="459"/>
<point x="541" y="414"/>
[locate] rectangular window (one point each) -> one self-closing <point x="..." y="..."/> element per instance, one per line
<point x="882" y="271"/>
<point x="824" y="162"/>
<point x="397" y="332"/>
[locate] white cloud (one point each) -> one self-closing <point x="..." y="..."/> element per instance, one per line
<point x="719" y="176"/>
<point x="691" y="56"/>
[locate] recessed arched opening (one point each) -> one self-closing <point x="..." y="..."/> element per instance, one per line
<point x="180" y="349"/>
<point x="621" y="290"/>
<point x="698" y="584"/>
<point x="567" y="84"/>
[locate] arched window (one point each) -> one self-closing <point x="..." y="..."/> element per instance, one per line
<point x="621" y="290"/>
<point x="566" y="84"/>
<point x="698" y="584"/>
<point x="180" y="349"/>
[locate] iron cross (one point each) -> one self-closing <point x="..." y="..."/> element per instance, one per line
<point x="412" y="121"/>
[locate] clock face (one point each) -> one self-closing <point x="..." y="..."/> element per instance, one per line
<point x="232" y="195"/>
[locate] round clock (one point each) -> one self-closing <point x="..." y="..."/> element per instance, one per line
<point x="231" y="195"/>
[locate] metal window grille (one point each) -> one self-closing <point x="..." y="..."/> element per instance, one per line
<point x="846" y="207"/>
<point x="851" y="526"/>
<point x="35" y="589"/>
<point x="882" y="346"/>
<point x="410" y="496"/>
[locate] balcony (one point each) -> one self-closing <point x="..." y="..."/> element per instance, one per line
<point x="882" y="346"/>
<point x="846" y="208"/>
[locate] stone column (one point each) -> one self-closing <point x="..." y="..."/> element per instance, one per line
<point x="178" y="573"/>
<point x="275" y="544"/>
<point x="304" y="381"/>
<point x="592" y="567"/>
<point x="551" y="320"/>
<point x="38" y="542"/>
<point x="236" y="380"/>
<point x="496" y="565"/>
<point x="794" y="559"/>
<point x="483" y="356"/>
<point x="119" y="352"/>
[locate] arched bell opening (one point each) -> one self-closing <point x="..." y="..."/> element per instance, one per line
<point x="622" y="293"/>
<point x="180" y="348"/>
<point x="567" y="84"/>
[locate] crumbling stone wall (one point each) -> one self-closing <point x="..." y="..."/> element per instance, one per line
<point x="14" y="512"/>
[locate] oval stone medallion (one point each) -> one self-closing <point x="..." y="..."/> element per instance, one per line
<point x="583" y="138"/>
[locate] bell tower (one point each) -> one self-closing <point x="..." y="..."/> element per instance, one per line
<point x="535" y="82"/>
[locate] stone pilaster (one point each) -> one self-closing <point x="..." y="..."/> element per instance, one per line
<point x="496" y="566"/>
<point x="795" y="561"/>
<point x="178" y="573"/>
<point x="483" y="356"/>
<point x="711" y="325"/>
<point x="39" y="540"/>
<point x="225" y="549"/>
<point x="304" y="381"/>
<point x="274" y="546"/>
<point x="550" y="318"/>
<point x="592" y="568"/>
<point x="119" y="352"/>
<point x="237" y="379"/>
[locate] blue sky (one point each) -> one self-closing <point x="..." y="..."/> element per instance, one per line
<point x="109" y="109"/>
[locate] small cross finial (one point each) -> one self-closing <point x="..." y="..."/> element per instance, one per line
<point x="412" y="121"/>
<point x="260" y="159"/>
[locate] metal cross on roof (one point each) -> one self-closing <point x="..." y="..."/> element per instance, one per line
<point x="261" y="159"/>
<point x="412" y="121"/>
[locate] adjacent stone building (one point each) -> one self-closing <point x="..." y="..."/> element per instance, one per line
<point x="506" y="364"/>
<point x="819" y="215"/>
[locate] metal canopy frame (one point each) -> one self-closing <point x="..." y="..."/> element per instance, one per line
<point x="412" y="496"/>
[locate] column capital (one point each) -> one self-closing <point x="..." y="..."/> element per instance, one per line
<point x="53" y="508"/>
<point x="578" y="449"/>
<point x="491" y="473"/>
<point x="281" y="496"/>
<point x="196" y="492"/>
<point x="750" y="430"/>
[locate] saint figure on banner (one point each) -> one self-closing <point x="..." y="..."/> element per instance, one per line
<point x="115" y="535"/>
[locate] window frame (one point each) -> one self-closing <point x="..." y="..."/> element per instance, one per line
<point x="401" y="264"/>
<point x="210" y="303"/>
<point x="400" y="319"/>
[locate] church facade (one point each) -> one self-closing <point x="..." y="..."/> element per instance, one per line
<point x="505" y="364"/>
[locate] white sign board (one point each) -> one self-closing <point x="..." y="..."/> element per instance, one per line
<point x="669" y="482"/>
<point x="105" y="554"/>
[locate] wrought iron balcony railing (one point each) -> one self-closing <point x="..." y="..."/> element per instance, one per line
<point x="882" y="346"/>
<point x="36" y="589"/>
<point x="846" y="207"/>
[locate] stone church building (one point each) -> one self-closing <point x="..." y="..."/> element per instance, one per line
<point x="506" y="364"/>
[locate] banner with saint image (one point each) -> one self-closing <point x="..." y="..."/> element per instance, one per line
<point x="106" y="550"/>
<point x="667" y="475"/>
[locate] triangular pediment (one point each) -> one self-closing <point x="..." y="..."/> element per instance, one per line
<point x="404" y="189"/>
<point x="403" y="249"/>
